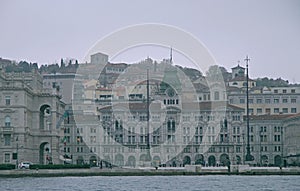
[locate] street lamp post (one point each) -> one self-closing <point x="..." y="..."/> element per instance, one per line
<point x="243" y="134"/>
<point x="17" y="153"/>
<point x="248" y="154"/>
<point x="148" y="119"/>
<point x="260" y="150"/>
<point x="281" y="161"/>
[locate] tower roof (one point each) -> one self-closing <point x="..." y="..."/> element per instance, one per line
<point x="238" y="67"/>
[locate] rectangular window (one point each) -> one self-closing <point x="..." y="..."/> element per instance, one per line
<point x="267" y="101"/>
<point x="293" y="91"/>
<point x="7" y="100"/>
<point x="7" y="139"/>
<point x="258" y="101"/>
<point x="293" y="100"/>
<point x="259" y="110"/>
<point x="250" y="101"/>
<point x="242" y="101"/>
<point x="276" y="91"/>
<point x="276" y="110"/>
<point x="284" y="100"/>
<point x="7" y="158"/>
<point x="284" y="91"/>
<point x="276" y="100"/>
<point x="293" y="110"/>
<point x="285" y="110"/>
<point x="250" y="111"/>
<point x="268" y="110"/>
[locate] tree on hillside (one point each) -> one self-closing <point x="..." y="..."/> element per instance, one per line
<point x="62" y="64"/>
<point x="217" y="73"/>
<point x="24" y="66"/>
<point x="261" y="82"/>
<point x="192" y="73"/>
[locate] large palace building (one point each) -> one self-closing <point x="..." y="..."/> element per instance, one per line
<point x="28" y="119"/>
<point x="168" y="121"/>
<point x="145" y="114"/>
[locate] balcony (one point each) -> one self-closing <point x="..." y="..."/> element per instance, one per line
<point x="7" y="129"/>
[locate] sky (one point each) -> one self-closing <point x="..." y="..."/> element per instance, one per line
<point x="266" y="30"/>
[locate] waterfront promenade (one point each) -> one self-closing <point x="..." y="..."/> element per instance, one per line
<point x="149" y="171"/>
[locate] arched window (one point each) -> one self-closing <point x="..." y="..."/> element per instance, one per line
<point x="217" y="95"/>
<point x="7" y="121"/>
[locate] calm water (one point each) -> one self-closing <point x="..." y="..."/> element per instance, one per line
<point x="231" y="183"/>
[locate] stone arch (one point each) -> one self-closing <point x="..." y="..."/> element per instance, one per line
<point x="45" y="111"/>
<point x="186" y="160"/>
<point x="119" y="160"/>
<point x="107" y="161"/>
<point x="93" y="161"/>
<point x="43" y="153"/>
<point x="156" y="161"/>
<point x="131" y="161"/>
<point x="175" y="162"/>
<point x="264" y="160"/>
<point x="79" y="160"/>
<point x="199" y="159"/>
<point x="238" y="159"/>
<point x="143" y="157"/>
<point x="277" y="160"/>
<point x="211" y="160"/>
<point x="224" y="159"/>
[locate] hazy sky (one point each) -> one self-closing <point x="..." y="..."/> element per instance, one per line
<point x="267" y="30"/>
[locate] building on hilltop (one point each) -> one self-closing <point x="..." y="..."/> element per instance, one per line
<point x="272" y="100"/>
